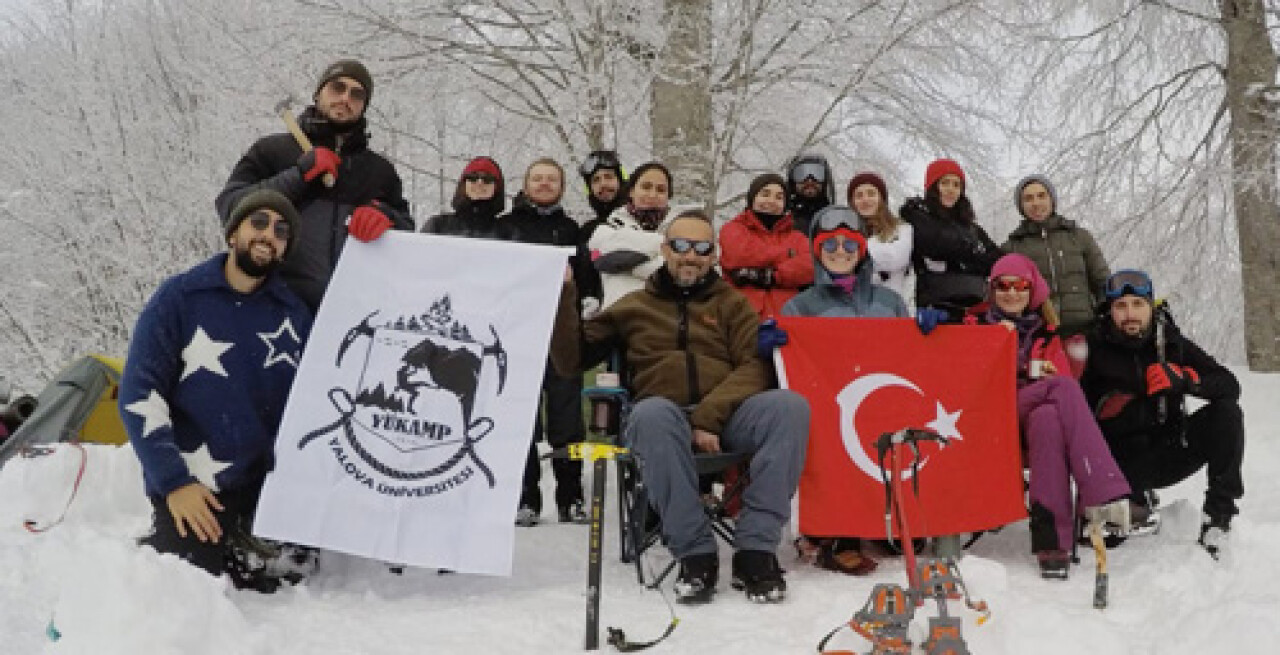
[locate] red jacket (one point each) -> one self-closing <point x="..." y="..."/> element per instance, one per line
<point x="745" y="243"/>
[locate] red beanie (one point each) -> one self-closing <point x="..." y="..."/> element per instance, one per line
<point x="482" y="165"/>
<point x="868" y="178"/>
<point x="1017" y="265"/>
<point x="940" y="167"/>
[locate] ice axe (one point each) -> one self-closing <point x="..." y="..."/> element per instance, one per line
<point x="286" y="114"/>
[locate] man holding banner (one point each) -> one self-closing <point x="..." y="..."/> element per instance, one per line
<point x="407" y="429"/>
<point x="690" y="344"/>
<point x="210" y="364"/>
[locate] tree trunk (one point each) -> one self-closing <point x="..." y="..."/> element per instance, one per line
<point x="680" y="104"/>
<point x="1251" y="87"/>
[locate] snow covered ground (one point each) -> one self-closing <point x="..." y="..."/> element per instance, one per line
<point x="107" y="596"/>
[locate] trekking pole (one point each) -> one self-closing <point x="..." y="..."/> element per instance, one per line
<point x="1100" y="578"/>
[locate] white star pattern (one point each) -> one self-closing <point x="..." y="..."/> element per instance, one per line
<point x="154" y="412"/>
<point x="945" y="423"/>
<point x="205" y="353"/>
<point x="275" y="353"/>
<point x="204" y="467"/>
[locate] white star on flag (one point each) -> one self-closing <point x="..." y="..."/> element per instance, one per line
<point x="153" y="410"/>
<point x="204" y="467"/>
<point x="945" y="423"/>
<point x="204" y="352"/>
<point x="275" y="356"/>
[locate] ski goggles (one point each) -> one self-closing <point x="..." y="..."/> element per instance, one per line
<point x="1011" y="284"/>
<point x="1129" y="281"/>
<point x="261" y="220"/>
<point x="827" y="242"/>
<point x="682" y="246"/>
<point x="809" y="169"/>
<point x="598" y="160"/>
<point x="480" y="177"/>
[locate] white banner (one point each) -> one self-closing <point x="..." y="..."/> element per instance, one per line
<point x="407" y="428"/>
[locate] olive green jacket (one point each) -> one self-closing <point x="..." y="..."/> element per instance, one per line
<point x="1070" y="261"/>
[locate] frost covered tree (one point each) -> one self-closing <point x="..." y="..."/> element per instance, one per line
<point x="1160" y="120"/>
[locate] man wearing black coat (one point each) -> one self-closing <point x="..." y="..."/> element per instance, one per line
<point x="537" y="217"/>
<point x="340" y="186"/>
<point x="1139" y="372"/>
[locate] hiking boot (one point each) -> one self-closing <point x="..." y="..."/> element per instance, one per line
<point x="527" y="517"/>
<point x="1214" y="531"/>
<point x="1054" y="564"/>
<point x="843" y="558"/>
<point x="1145" y="520"/>
<point x="757" y="572"/>
<point x="574" y="513"/>
<point x="697" y="580"/>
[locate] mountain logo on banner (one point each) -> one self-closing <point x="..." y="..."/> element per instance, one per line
<point x="850" y="400"/>
<point x="408" y="425"/>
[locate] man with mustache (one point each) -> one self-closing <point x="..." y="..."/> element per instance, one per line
<point x="339" y="187"/>
<point x="690" y="344"/>
<point x="210" y="365"/>
<point x="1139" y="372"/>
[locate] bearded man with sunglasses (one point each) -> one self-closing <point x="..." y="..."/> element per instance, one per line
<point x="210" y="364"/>
<point x="1140" y="370"/>
<point x="339" y="186"/>
<point x="690" y="345"/>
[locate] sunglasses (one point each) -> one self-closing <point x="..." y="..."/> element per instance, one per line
<point x="853" y="242"/>
<point x="831" y="245"/>
<point x="260" y="221"/>
<point x="598" y="160"/>
<point x="1128" y="281"/>
<point x="682" y="246"/>
<point x="480" y="177"/>
<point x="808" y="170"/>
<point x="353" y="91"/>
<point x="1015" y="284"/>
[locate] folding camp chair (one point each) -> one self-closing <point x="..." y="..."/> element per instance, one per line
<point x="638" y="524"/>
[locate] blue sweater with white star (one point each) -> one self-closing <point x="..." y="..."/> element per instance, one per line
<point x="208" y="373"/>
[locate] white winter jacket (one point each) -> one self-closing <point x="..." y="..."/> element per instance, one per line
<point x="892" y="260"/>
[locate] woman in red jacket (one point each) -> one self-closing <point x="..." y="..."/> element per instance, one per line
<point x="761" y="252"/>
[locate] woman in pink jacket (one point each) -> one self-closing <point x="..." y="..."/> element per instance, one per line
<point x="1061" y="437"/>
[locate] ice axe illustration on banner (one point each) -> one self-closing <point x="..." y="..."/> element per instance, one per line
<point x="285" y="109"/>
<point x="363" y="329"/>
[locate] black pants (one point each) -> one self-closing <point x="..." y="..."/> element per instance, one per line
<point x="563" y="400"/>
<point x="1214" y="436"/>
<point x="239" y="506"/>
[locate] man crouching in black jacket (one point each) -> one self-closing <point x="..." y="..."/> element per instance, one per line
<point x="1139" y="372"/>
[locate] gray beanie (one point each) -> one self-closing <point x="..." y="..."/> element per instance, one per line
<point x="1034" y="178"/>
<point x="262" y="199"/>
<point x="348" y="68"/>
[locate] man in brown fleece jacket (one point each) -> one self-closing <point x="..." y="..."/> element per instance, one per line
<point x="690" y="345"/>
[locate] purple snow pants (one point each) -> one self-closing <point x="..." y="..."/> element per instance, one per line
<point x="1064" y="444"/>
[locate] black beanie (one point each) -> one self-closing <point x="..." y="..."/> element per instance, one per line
<point x="262" y="199"/>
<point x="348" y="68"/>
<point x="763" y="181"/>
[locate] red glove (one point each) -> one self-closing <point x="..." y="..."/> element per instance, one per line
<point x="318" y="161"/>
<point x="368" y="223"/>
<point x="1171" y="378"/>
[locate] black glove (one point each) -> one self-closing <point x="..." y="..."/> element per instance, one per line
<point x="754" y="277"/>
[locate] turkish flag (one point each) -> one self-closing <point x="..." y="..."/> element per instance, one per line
<point x="864" y="377"/>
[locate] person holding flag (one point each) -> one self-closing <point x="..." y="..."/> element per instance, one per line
<point x="1061" y="440"/>
<point x="842" y="287"/>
